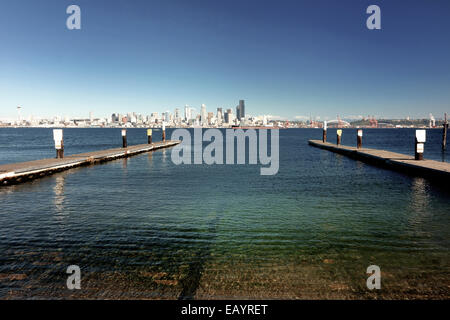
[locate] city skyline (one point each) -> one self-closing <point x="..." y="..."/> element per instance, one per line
<point x="191" y="112"/>
<point x="309" y="61"/>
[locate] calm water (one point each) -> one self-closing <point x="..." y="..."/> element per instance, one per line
<point x="145" y="228"/>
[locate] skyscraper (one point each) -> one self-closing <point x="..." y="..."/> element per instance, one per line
<point x="241" y="109"/>
<point x="187" y="113"/>
<point x="228" y="116"/>
<point x="219" y="116"/>
<point x="210" y="118"/>
<point x="203" y="115"/>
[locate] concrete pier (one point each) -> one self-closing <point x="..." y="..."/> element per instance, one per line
<point x="391" y="160"/>
<point x="25" y="171"/>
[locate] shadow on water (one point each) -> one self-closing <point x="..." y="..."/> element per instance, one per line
<point x="191" y="281"/>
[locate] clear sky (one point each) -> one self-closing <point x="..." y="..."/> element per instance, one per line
<point x="285" y="58"/>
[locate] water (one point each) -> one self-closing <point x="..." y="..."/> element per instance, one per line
<point x="144" y="228"/>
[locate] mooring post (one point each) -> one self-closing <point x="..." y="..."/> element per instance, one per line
<point x="359" y="139"/>
<point x="124" y="138"/>
<point x="324" y="135"/>
<point x="59" y="143"/>
<point x="149" y="136"/>
<point x="444" y="133"/>
<point x="163" y="132"/>
<point x="420" y="142"/>
<point x="338" y="136"/>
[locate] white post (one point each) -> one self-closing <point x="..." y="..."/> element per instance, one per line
<point x="124" y="138"/>
<point x="59" y="142"/>
<point x="164" y="131"/>
<point x="420" y="144"/>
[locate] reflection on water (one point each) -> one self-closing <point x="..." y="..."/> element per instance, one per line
<point x="419" y="194"/>
<point x="420" y="210"/>
<point x="59" y="197"/>
<point x="164" y="155"/>
<point x="150" y="159"/>
<point x="340" y="160"/>
<point x="7" y="190"/>
<point x="359" y="165"/>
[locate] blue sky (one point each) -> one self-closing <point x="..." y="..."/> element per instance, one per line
<point x="285" y="58"/>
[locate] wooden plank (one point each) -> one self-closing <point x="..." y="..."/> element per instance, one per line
<point x="25" y="171"/>
<point x="391" y="160"/>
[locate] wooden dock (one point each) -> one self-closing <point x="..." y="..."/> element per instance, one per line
<point x="391" y="160"/>
<point x="25" y="171"/>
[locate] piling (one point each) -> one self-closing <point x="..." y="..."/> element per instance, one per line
<point x="338" y="137"/>
<point x="324" y="135"/>
<point x="359" y="139"/>
<point x="444" y="133"/>
<point x="419" y="144"/>
<point x="124" y="138"/>
<point x="59" y="143"/>
<point x="163" y="132"/>
<point x="60" y="151"/>
<point x="149" y="136"/>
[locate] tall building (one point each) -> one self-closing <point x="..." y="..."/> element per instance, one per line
<point x="210" y="118"/>
<point x="154" y="117"/>
<point x="166" y="116"/>
<point x="238" y="112"/>
<point x="187" y="113"/>
<point x="129" y="116"/>
<point x="219" y="116"/>
<point x="229" y="116"/>
<point x="203" y="115"/>
<point x="241" y="109"/>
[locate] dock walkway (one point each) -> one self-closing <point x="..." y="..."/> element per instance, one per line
<point x="390" y="160"/>
<point x="24" y="171"/>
